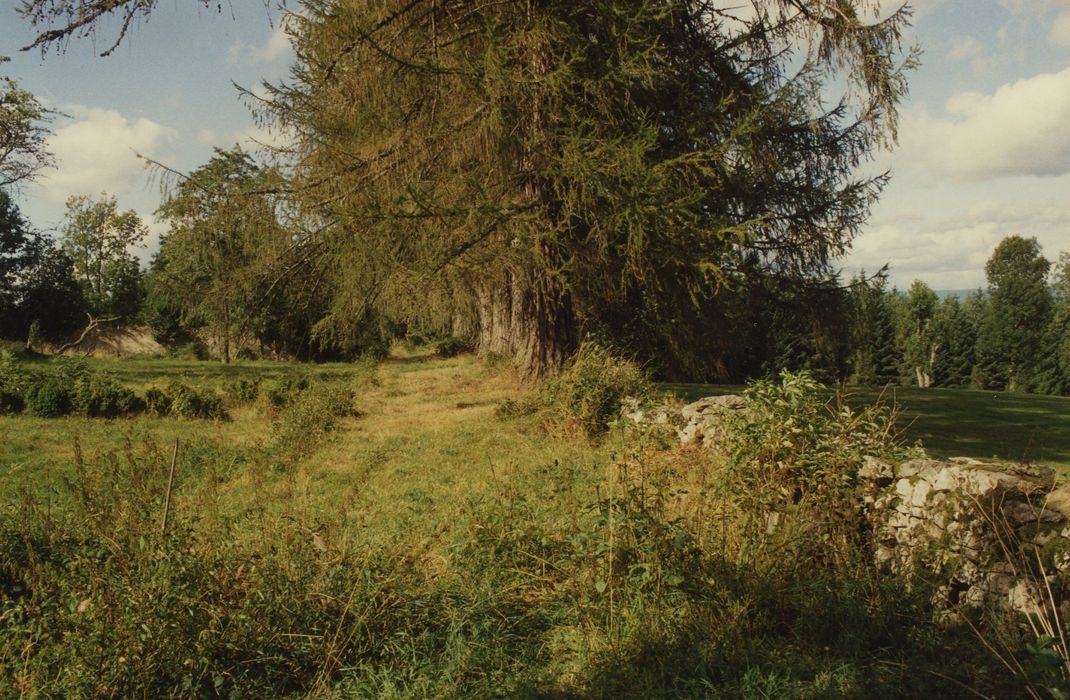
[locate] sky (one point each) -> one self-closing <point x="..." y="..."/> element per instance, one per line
<point x="983" y="152"/>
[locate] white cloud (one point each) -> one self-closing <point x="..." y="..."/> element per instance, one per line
<point x="950" y="252"/>
<point x="97" y="152"/>
<point x="277" y="46"/>
<point x="207" y="137"/>
<point x="969" y="51"/>
<point x="1018" y="130"/>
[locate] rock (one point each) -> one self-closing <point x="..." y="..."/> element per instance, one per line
<point x="979" y="482"/>
<point x="945" y="480"/>
<point x="1019" y="513"/>
<point x="1058" y="501"/>
<point x="712" y="404"/>
<point x="949" y="519"/>
<point x="920" y="493"/>
<point x="878" y="470"/>
<point x="915" y="466"/>
<point x="690" y="433"/>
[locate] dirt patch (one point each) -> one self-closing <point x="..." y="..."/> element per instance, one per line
<point x="118" y="341"/>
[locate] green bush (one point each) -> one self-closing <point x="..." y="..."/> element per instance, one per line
<point x="100" y="396"/>
<point x="15" y="382"/>
<point x="50" y="397"/>
<point x="794" y="435"/>
<point x="188" y="402"/>
<point x="283" y="392"/>
<point x="311" y="416"/>
<point x="157" y="402"/>
<point x="243" y="391"/>
<point x="590" y="391"/>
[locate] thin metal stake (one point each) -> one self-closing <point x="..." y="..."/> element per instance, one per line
<point x="170" y="488"/>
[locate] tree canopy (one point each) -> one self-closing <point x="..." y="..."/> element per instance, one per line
<point x="537" y="167"/>
<point x="97" y="237"/>
<point x="23" y="131"/>
<point x="524" y="173"/>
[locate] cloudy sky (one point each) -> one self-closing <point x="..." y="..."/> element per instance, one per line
<point x="984" y="146"/>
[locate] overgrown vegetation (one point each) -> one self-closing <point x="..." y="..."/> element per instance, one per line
<point x="589" y="393"/>
<point x="454" y="554"/>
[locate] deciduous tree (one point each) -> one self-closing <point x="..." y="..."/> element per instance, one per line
<point x="97" y="237"/>
<point x="23" y="132"/>
<point x="1009" y="341"/>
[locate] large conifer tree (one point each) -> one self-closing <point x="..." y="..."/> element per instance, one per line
<point x="533" y="167"/>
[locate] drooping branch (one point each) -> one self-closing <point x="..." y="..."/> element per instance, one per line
<point x="92" y="325"/>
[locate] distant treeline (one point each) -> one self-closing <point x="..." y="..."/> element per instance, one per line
<point x="1014" y="335"/>
<point x="222" y="285"/>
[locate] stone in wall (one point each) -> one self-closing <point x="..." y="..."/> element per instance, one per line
<point x="991" y="532"/>
<point x="695" y="423"/>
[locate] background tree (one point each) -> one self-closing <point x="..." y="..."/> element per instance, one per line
<point x="918" y="343"/>
<point x="36" y="281"/>
<point x="955" y="330"/>
<point x="1010" y="339"/>
<point x="19" y="250"/>
<point x="59" y="21"/>
<point x="226" y="241"/>
<point x="23" y="131"/>
<point x="1055" y="354"/>
<point x="52" y="296"/>
<point x="562" y="168"/>
<point x="97" y="238"/>
<point x="873" y="360"/>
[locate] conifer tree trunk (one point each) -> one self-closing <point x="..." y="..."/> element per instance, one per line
<point x="529" y="317"/>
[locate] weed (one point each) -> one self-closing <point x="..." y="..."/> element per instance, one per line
<point x="309" y="417"/>
<point x="242" y="391"/>
<point x="591" y="390"/>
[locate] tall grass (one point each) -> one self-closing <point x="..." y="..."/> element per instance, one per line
<point x="612" y="570"/>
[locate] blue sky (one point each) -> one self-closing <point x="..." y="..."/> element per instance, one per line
<point x="984" y="146"/>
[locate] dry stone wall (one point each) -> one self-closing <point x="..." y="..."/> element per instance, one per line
<point x="991" y="533"/>
<point x="988" y="533"/>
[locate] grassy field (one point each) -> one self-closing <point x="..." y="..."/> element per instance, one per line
<point x="961" y="422"/>
<point x="429" y="548"/>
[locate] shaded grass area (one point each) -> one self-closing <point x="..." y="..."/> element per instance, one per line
<point x="961" y="422"/>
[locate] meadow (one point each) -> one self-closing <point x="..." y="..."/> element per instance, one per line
<point x="438" y="541"/>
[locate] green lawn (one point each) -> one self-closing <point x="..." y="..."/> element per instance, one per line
<point x="962" y="422"/>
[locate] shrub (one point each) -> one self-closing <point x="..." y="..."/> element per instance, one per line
<point x="15" y="382"/>
<point x="451" y="347"/>
<point x="100" y="396"/>
<point x="795" y="435"/>
<point x="157" y="402"/>
<point x="243" y="391"/>
<point x="50" y="397"/>
<point x="10" y="402"/>
<point x="311" y="416"/>
<point x="282" y="392"/>
<point x="187" y="402"/>
<point x="591" y="389"/>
